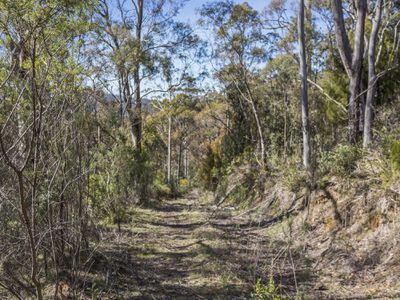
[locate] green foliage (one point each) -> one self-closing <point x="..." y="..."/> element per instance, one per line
<point x="342" y="161"/>
<point x="395" y="155"/>
<point x="266" y="292"/>
<point x="142" y="173"/>
<point x="390" y="163"/>
<point x="210" y="171"/>
<point x="235" y="141"/>
<point x="184" y="185"/>
<point x="122" y="176"/>
<point x="335" y="85"/>
<point x="93" y="291"/>
<point x="295" y="178"/>
<point x="162" y="189"/>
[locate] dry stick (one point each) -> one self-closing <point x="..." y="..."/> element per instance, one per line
<point x="327" y="95"/>
<point x="51" y="229"/>
<point x="258" y="253"/>
<point x="280" y="253"/>
<point x="277" y="218"/>
<point x="266" y="204"/>
<point x="293" y="268"/>
<point x="15" y="106"/>
<point x="228" y="193"/>
<point x="11" y="290"/>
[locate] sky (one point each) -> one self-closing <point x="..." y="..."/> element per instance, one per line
<point x="188" y="13"/>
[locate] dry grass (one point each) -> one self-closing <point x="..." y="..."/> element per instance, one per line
<point x="345" y="243"/>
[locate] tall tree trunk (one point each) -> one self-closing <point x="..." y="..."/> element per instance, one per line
<point x="361" y="108"/>
<point x="127" y="99"/>
<point x="369" y="105"/>
<point x="285" y="127"/>
<point x="252" y="102"/>
<point x="137" y="119"/>
<point x="356" y="72"/>
<point x="260" y="133"/>
<point x="304" y="89"/>
<point x="342" y="38"/>
<point x="352" y="59"/>
<point x="185" y="159"/>
<point x="179" y="165"/>
<point x="308" y="26"/>
<point x="169" y="150"/>
<point x="250" y="98"/>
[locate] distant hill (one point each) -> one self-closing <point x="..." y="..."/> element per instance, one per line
<point x="109" y="98"/>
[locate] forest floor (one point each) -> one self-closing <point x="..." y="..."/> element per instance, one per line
<point x="187" y="248"/>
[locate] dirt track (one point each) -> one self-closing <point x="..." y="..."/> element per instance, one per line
<point x="186" y="249"/>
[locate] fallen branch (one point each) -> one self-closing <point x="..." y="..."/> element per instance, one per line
<point x="227" y="194"/>
<point x="267" y="204"/>
<point x="263" y="223"/>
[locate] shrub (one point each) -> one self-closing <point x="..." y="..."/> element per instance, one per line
<point x="395" y="155"/>
<point x="117" y="214"/>
<point x="340" y="162"/>
<point x="161" y="189"/>
<point x="174" y="186"/>
<point x="211" y="166"/>
<point x="388" y="161"/>
<point x="121" y="175"/>
<point x="171" y="190"/>
<point x="141" y="174"/>
<point x="295" y="179"/>
<point x="266" y="292"/>
<point x="183" y="185"/>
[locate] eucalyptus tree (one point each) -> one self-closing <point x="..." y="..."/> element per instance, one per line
<point x="175" y="123"/>
<point x="384" y="34"/>
<point x="376" y="22"/>
<point x="352" y="58"/>
<point x="139" y="38"/>
<point x="177" y="80"/>
<point x="240" y="44"/>
<point x="184" y="111"/>
<point x="304" y="87"/>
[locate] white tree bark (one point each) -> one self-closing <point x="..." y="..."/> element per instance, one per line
<point x="304" y="88"/>
<point x="169" y="150"/>
<point x="372" y="79"/>
<point x="351" y="59"/>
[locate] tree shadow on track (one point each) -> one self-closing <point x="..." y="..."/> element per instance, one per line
<point x="178" y="252"/>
